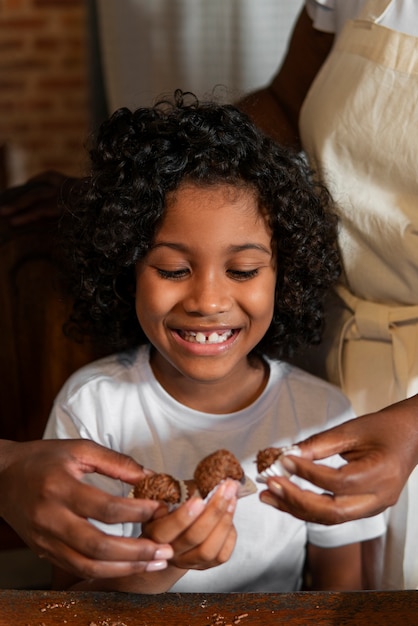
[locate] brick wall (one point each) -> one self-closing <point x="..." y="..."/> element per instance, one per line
<point x="43" y="86"/>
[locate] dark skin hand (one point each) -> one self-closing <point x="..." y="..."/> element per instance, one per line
<point x="381" y="450"/>
<point x="44" y="500"/>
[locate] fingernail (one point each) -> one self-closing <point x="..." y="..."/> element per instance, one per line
<point x="163" y="553"/>
<point x="195" y="506"/>
<point x="231" y="505"/>
<point x="228" y="489"/>
<point x="288" y="464"/>
<point x="276" y="489"/>
<point x="154" y="566"/>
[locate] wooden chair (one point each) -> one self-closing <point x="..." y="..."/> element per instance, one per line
<point x="35" y="357"/>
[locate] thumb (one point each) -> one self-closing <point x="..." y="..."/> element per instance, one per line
<point x="336" y="440"/>
<point x="92" y="457"/>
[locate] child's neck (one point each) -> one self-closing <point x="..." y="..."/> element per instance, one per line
<point x="218" y="397"/>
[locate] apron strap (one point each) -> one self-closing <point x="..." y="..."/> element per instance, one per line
<point x="378" y="322"/>
<point x="375" y="320"/>
<point x="374" y="10"/>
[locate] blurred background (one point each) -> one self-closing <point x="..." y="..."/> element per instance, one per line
<point x="64" y="66"/>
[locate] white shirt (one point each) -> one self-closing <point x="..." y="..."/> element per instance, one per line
<point x="118" y="402"/>
<point x="330" y="15"/>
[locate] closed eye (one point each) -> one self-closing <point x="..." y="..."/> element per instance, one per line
<point x="173" y="274"/>
<point x="243" y="274"/>
<point x="179" y="274"/>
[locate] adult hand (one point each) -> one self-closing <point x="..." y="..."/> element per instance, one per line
<point x="381" y="450"/>
<point x="38" y="198"/>
<point x="44" y="500"/>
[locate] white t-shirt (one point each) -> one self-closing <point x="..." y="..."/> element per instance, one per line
<point x="330" y="15"/>
<point x="118" y="402"/>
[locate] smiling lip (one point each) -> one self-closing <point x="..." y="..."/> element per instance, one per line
<point x="206" y="337"/>
<point x="206" y="341"/>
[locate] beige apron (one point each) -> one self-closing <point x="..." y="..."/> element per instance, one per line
<point x="359" y="126"/>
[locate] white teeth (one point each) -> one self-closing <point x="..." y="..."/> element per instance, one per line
<point x="201" y="338"/>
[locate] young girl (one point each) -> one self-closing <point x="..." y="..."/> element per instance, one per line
<point x="202" y="251"/>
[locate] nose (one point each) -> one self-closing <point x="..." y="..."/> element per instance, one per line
<point x="208" y="294"/>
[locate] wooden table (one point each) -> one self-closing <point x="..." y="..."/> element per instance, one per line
<point x="47" y="608"/>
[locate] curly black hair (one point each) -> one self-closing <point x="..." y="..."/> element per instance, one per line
<point x="138" y="158"/>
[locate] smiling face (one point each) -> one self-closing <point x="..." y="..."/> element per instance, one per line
<point x="205" y="293"/>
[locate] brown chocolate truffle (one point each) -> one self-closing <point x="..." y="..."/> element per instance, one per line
<point x="214" y="468"/>
<point x="158" y="487"/>
<point x="210" y="472"/>
<point x="267" y="457"/>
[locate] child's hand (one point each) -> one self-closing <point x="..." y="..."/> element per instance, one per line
<point x="201" y="535"/>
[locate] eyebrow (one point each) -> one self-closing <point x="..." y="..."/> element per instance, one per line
<point x="231" y="249"/>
